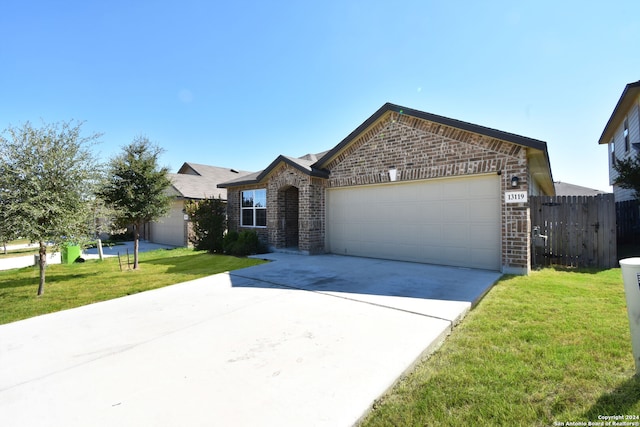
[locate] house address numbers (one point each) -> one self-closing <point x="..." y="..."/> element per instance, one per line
<point x="515" y="197"/>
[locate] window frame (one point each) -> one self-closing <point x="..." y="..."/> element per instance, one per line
<point x="612" y="149"/>
<point x="254" y="209"/>
<point x="625" y="134"/>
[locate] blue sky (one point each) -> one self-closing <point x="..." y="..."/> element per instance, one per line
<point x="236" y="83"/>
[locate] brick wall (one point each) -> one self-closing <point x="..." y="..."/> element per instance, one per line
<point x="420" y="149"/>
<point x="282" y="206"/>
<point x="233" y="212"/>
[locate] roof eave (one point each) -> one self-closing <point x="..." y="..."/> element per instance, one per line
<point x="312" y="171"/>
<point x="629" y="94"/>
<point x="389" y="107"/>
<point x="540" y="170"/>
<point x="237" y="183"/>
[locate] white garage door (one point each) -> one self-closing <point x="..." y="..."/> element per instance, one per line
<point x="169" y="230"/>
<point x="452" y="221"/>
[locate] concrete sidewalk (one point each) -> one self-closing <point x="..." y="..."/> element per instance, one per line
<point x="242" y="349"/>
<point x="54" y="257"/>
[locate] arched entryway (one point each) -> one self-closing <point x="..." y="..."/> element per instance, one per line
<point x="288" y="203"/>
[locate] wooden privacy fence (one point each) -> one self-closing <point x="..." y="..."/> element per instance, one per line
<point x="628" y="221"/>
<point x="573" y="231"/>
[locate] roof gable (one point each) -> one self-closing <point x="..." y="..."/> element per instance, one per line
<point x="303" y="164"/>
<point x="470" y="127"/>
<point x="196" y="181"/>
<point x="630" y="93"/>
<point x="536" y="149"/>
<point x="537" y="154"/>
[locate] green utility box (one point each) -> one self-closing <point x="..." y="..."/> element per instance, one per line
<point x="70" y="253"/>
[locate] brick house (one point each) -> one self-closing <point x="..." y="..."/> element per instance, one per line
<point x="405" y="185"/>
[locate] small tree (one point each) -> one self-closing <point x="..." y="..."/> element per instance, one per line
<point x="628" y="174"/>
<point x="135" y="187"/>
<point x="47" y="176"/>
<point x="209" y="224"/>
<point x="8" y="224"/>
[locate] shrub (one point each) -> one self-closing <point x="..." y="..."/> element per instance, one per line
<point x="209" y="223"/>
<point x="242" y="244"/>
<point x="125" y="236"/>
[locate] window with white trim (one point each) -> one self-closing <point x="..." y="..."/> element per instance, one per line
<point x="612" y="146"/>
<point x="625" y="133"/>
<point x="253" y="208"/>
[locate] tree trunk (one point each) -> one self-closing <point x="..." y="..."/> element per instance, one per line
<point x="43" y="264"/>
<point x="136" y="239"/>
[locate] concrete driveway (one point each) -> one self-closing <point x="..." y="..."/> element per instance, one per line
<point x="303" y="340"/>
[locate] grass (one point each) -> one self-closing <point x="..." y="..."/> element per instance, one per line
<point x="74" y="285"/>
<point x="12" y="253"/>
<point x="552" y="347"/>
<point x="19" y="242"/>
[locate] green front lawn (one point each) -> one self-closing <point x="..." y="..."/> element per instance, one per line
<point x="553" y="347"/>
<point x="74" y="285"/>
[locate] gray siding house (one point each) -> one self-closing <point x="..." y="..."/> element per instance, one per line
<point x="622" y="134"/>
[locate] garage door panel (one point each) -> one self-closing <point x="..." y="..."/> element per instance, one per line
<point x="478" y="190"/>
<point x="484" y="236"/>
<point x="481" y="257"/>
<point x="169" y="230"/>
<point x="431" y="211"/>
<point x="387" y="210"/>
<point x="406" y="214"/>
<point x="384" y="234"/>
<point x="457" y="211"/>
<point x="455" y="235"/>
<point x="452" y="221"/>
<point x="457" y="190"/>
<point x="452" y="255"/>
<point x="430" y="232"/>
<point x="484" y="208"/>
<point x="405" y="232"/>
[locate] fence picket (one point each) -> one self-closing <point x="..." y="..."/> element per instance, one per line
<point x="580" y="230"/>
<point x="628" y="221"/>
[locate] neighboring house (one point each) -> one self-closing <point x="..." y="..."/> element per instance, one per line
<point x="622" y="134"/>
<point x="192" y="182"/>
<point x="405" y="185"/>
<point x="566" y="189"/>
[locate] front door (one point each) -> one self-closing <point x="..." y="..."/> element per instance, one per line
<point x="291" y="209"/>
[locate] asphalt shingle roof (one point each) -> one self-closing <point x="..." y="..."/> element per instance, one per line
<point x="566" y="189"/>
<point x="196" y="181"/>
<point x="314" y="164"/>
